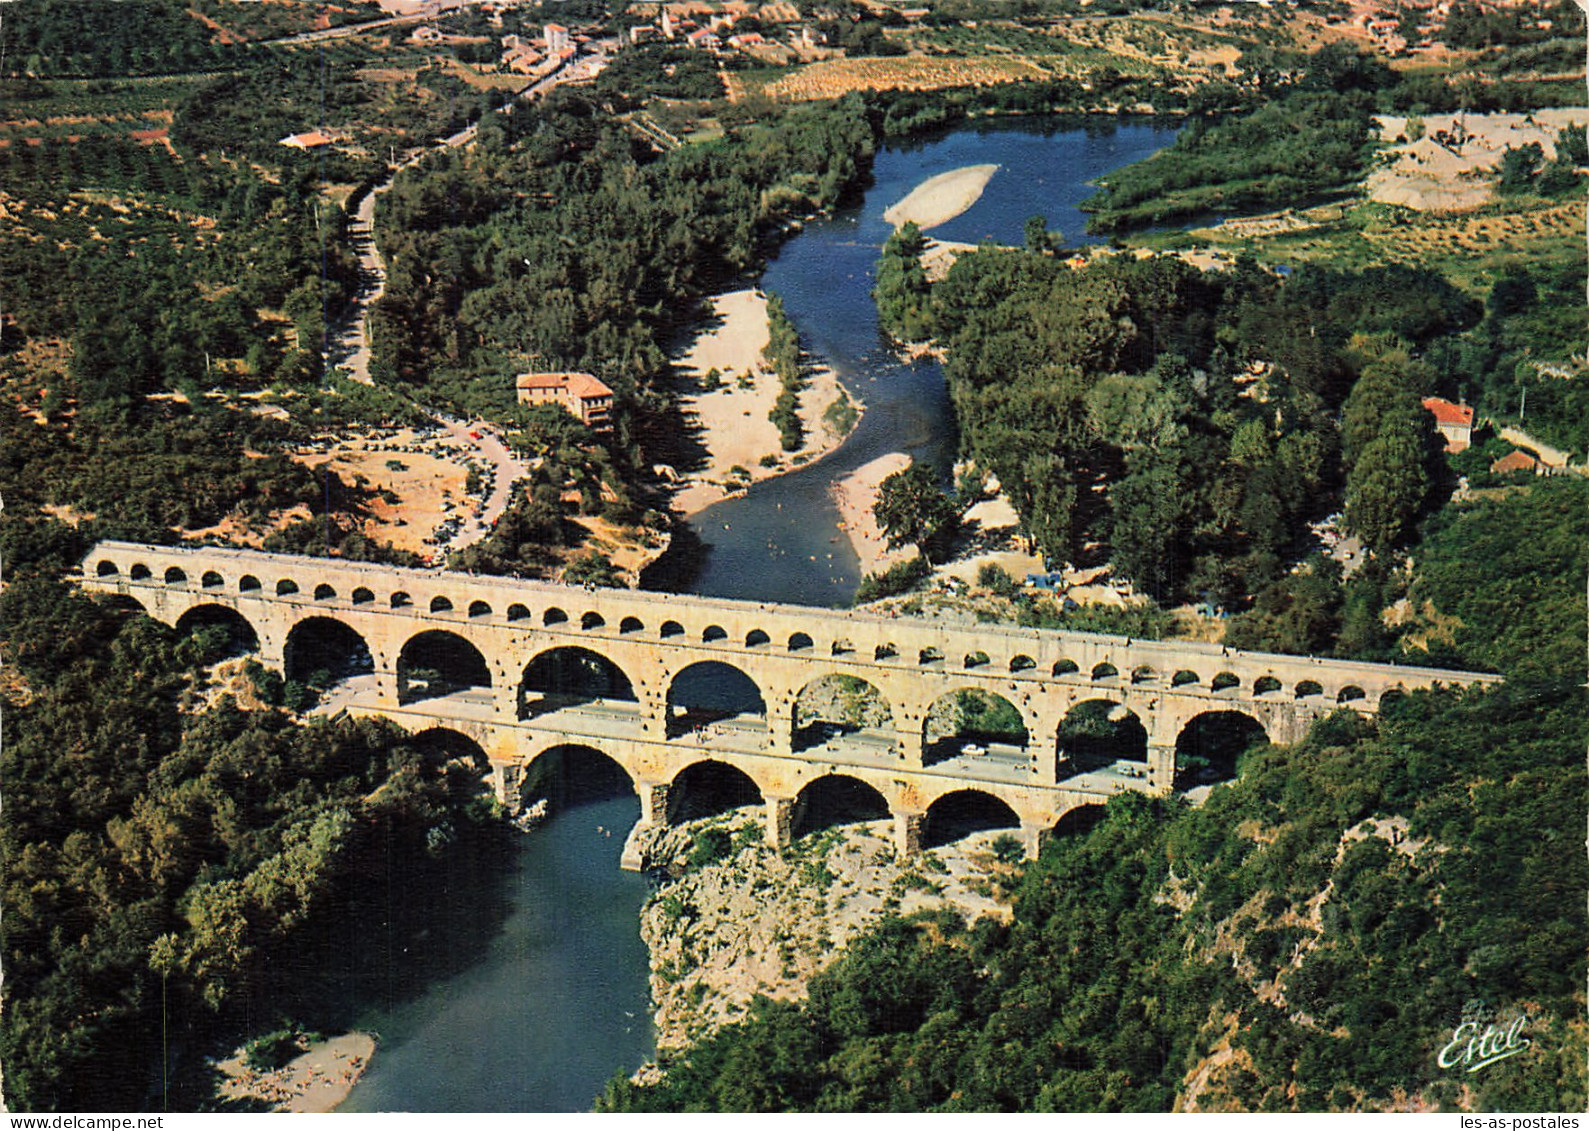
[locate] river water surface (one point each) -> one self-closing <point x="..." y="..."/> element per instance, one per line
<point x="780" y="541"/>
<point x="558" y="1002"/>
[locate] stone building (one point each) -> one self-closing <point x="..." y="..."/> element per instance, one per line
<point x="580" y="393"/>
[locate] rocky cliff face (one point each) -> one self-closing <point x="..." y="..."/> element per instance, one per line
<point x="753" y="922"/>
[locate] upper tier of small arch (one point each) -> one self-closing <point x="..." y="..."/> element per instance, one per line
<point x="818" y="635"/>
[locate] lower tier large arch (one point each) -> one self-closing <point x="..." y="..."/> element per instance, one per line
<point x="570" y="774"/>
<point x="442" y="745"/>
<point x="833" y="800"/>
<point x="709" y="787"/>
<point x="227" y="632"/>
<point x="454" y="756"/>
<point x="1079" y="820"/>
<point x="957" y="815"/>
<point x="121" y="602"/>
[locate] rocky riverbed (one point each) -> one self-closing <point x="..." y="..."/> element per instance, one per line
<point x="752" y="922"/>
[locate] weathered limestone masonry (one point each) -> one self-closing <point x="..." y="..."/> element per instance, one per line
<point x="509" y="627"/>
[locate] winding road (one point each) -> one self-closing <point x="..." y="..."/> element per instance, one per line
<point x="347" y="343"/>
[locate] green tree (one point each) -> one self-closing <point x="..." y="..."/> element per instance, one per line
<point x="1037" y="236"/>
<point x="902" y="293"/>
<point x="593" y="568"/>
<point x="1388" y="484"/>
<point x="1300" y="614"/>
<point x="1147" y="528"/>
<point x="911" y="508"/>
<point x="1518" y="166"/>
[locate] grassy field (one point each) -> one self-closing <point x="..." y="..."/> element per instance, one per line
<point x="1470" y="249"/>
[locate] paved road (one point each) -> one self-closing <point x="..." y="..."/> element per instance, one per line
<point x="484" y="443"/>
<point x="342" y="32"/>
<point x="348" y="343"/>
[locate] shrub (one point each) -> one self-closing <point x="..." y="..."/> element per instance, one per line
<point x="898" y="578"/>
<point x="710" y="846"/>
<point x="1007" y="849"/>
<point x="995" y="578"/>
<point x="273" y="1050"/>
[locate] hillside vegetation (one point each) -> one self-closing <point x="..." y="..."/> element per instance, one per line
<point x="179" y="868"/>
<point x="1307" y="940"/>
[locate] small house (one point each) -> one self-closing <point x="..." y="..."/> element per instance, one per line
<point x="1515" y="460"/>
<point x="1455" y="422"/>
<point x="313" y="139"/>
<point x="581" y="394"/>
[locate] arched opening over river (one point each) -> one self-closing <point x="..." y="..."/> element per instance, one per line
<point x="558" y="1003"/>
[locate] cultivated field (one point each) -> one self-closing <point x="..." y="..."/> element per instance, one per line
<point x="1470" y="248"/>
<point x="833" y="78"/>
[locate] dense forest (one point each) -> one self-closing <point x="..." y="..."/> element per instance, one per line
<point x="1190" y="426"/>
<point x="104" y="38"/>
<point x="118" y="38"/>
<point x="250" y="111"/>
<point x="176" y="865"/>
<point x="159" y="320"/>
<point x="135" y="358"/>
<point x="559" y="241"/>
<point x="131" y="370"/>
<point x="1533" y="323"/>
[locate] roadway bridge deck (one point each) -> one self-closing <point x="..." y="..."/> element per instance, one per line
<point x="1029" y="724"/>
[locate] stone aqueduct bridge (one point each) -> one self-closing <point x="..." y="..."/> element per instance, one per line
<point x="645" y="642"/>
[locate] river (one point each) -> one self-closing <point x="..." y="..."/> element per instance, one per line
<point x="557" y="1003"/>
<point x="780" y="541"/>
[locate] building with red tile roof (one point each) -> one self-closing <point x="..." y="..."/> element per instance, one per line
<point x="1515" y="460"/>
<point x="579" y="393"/>
<point x="314" y="139"/>
<point x="1455" y="422"/>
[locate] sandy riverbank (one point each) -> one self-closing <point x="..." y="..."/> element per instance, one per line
<point x="856" y="495"/>
<point x="990" y="529"/>
<point x="316" y="1081"/>
<point x="937" y="200"/>
<point x="1428" y="176"/>
<point x="990" y="535"/>
<point x="730" y="422"/>
<point x="940" y="256"/>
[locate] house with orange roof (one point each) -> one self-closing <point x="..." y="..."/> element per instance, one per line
<point x="1515" y="460"/>
<point x="1454" y="421"/>
<point x="314" y="139"/>
<point x="581" y="394"/>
